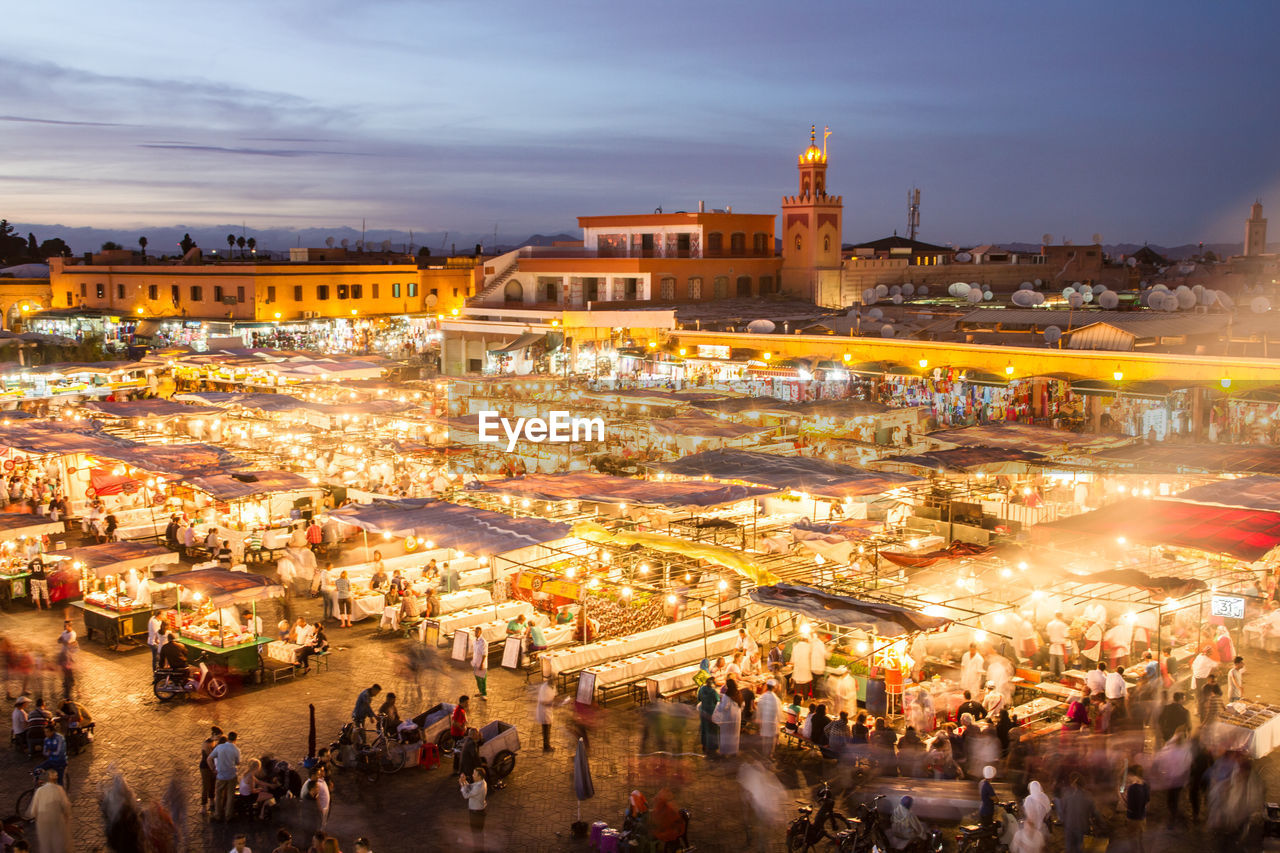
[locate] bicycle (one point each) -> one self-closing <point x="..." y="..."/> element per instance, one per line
<point x="353" y="751"/>
<point x="23" y="804"/>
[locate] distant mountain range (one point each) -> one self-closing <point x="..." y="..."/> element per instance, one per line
<point x="162" y="240"/>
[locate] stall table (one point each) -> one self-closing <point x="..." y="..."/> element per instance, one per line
<point x="243" y="658"/>
<point x="1036" y="709"/>
<point x="1054" y="690"/>
<point x="1248" y="726"/>
<point x="15" y="586"/>
<point x="113" y="625"/>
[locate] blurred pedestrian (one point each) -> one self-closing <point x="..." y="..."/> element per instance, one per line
<point x="542" y="711"/>
<point x="475" y="791"/>
<point x="51" y="810"/>
<point x="480" y="663"/>
<point x="1076" y="811"/>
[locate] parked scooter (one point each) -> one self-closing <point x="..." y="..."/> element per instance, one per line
<point x="168" y="683"/>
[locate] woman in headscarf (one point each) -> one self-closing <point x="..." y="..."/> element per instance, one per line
<point x="906" y="827"/>
<point x="1030" y="837"/>
<point x="728" y="717"/>
<point x="667" y="826"/>
<point x="637" y="815"/>
<point x="1222" y="644"/>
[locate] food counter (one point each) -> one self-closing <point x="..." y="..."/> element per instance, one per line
<point x="15" y="586"/>
<point x="113" y="618"/>
<point x="1248" y="726"/>
<point x="243" y="657"/>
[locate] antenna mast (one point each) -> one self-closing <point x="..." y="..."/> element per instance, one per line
<point x="913" y="213"/>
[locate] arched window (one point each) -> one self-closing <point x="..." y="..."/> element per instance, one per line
<point x="760" y="244"/>
<point x="826" y="243"/>
<point x="738" y="244"/>
<point x="513" y="292"/>
<point x="797" y="242"/>
<point x="722" y="287"/>
<point x="804" y="187"/>
<point x="744" y="285"/>
<point x="715" y="244"/>
<point x="695" y="288"/>
<point x="668" y="288"/>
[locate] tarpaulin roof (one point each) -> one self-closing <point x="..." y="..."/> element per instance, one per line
<point x="817" y="408"/>
<point x="1246" y="534"/>
<point x="48" y="437"/>
<point x="964" y="458"/>
<point x="181" y="460"/>
<point x="525" y="341"/>
<point x="222" y="587"/>
<point x="148" y="409"/>
<point x="246" y="484"/>
<point x="702" y="425"/>
<point x="1022" y="436"/>
<point x="729" y="558"/>
<point x="104" y="481"/>
<point x="818" y="476"/>
<point x="116" y="557"/>
<point x="261" y="402"/>
<point x="1258" y="492"/>
<point x="1159" y="587"/>
<point x="1215" y="458"/>
<point x="606" y="489"/>
<point x="16" y="524"/>
<point x="877" y="617"/>
<point x="734" y="405"/>
<point x="463" y="528"/>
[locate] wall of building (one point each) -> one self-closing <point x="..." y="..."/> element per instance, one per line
<point x="262" y="292"/>
<point x="17" y="293"/>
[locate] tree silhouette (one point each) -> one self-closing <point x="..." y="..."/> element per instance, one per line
<point x="231" y="245"/>
<point x="111" y="246"/>
<point x="12" y="246"/>
<point x="142" y="244"/>
<point x="252" y="242"/>
<point x="240" y="241"/>
<point x="55" y="247"/>
<point x="187" y="244"/>
<point x="33" y="248"/>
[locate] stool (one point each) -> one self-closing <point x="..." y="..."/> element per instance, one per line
<point x="429" y="756"/>
<point x="609" y="841"/>
<point x="597" y="829"/>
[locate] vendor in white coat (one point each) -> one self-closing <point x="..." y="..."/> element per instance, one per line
<point x="769" y="713"/>
<point x="843" y="690"/>
<point x="972" y="667"/>
<point x="801" y="667"/>
<point x="1000" y="677"/>
<point x="817" y="662"/>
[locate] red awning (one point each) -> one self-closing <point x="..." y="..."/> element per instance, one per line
<point x="1245" y="534"/>
<point x="106" y="483"/>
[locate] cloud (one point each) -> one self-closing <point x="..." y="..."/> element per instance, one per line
<point x="31" y="120"/>
<point x="258" y="152"/>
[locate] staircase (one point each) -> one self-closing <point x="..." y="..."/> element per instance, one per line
<point x="495" y="285"/>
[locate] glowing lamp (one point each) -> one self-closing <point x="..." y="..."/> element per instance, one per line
<point x="1117" y="375"/>
<point x="1008" y="370"/>
<point x="671" y="599"/>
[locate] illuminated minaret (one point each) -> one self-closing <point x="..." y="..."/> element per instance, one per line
<point x="812" y="229"/>
<point x="1255" y="231"/>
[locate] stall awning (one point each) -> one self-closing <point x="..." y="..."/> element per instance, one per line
<point x="1245" y="534"/>
<point x="148" y="409"/>
<point x="222" y="588"/>
<point x="116" y="557"/>
<point x="705" y="427"/>
<point x="718" y="554"/>
<point x="463" y="528"/>
<point x="1158" y="587"/>
<point x="1258" y="492"/>
<point x="1214" y="458"/>
<point x="106" y="482"/>
<point x="16" y="525"/>
<point x="525" y="341"/>
<point x="602" y="488"/>
<point x="247" y="484"/>
<point x="876" y="617"/>
<point x="1023" y="437"/>
<point x="964" y="458"/>
<point x="816" y="476"/>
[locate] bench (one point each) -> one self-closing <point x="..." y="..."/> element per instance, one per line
<point x="278" y="669"/>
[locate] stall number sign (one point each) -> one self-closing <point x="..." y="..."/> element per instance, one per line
<point x="1229" y="606"/>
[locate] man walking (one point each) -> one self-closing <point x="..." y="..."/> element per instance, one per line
<point x="480" y="663"/>
<point x="1235" y="680"/>
<point x="225" y="759"/>
<point x="542" y="713"/>
<point x="1075" y="810"/>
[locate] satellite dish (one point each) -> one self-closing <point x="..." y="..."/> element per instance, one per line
<point x="897" y="299"/>
<point x="1260" y="305"/>
<point x="1052" y="334"/>
<point x="386" y="245"/>
<point x="963" y="257"/>
<point x="761" y="327"/>
<point x="923" y="290"/>
<point x="882" y="290"/>
<point x="1208" y="297"/>
<point x="430" y="301"/>
<point x="1075" y="300"/>
<point x="1098" y="288"/>
<point x="987" y="296"/>
<point x="328" y="241"/>
<point x="869" y="296"/>
<point x="1131" y="262"/>
<point x="1023" y="298"/>
<point x="1046" y="239"/>
<point x="1087" y="295"/>
<point x="1097" y="238"/>
<point x="908" y="289"/>
<point x="1038" y="282"/>
<point x="1186" y="299"/>
<point x="875" y="314"/>
<point x="1067" y="291"/>
<point x="1026" y="285"/>
<point x="1109" y="300"/>
<point x="1039" y="298"/>
<point x="895" y="290"/>
<point x="886" y="331"/>
<point x="974" y="295"/>
<point x="1076" y="285"/>
<point x="343" y="244"/>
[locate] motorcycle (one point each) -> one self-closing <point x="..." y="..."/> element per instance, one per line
<point x="810" y="828"/>
<point x="993" y="837"/>
<point x="168" y="683"/>
<point x="872" y="835"/>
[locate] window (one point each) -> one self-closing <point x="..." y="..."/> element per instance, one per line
<point x="197" y="294"/>
<point x="102" y="291"/>
<point x="70" y="298"/>
<point x="217" y="293"/>
<point x="715" y="243"/>
<point x="84" y="289"/>
<point x="826" y="243"/>
<point x="797" y="242"/>
<point x="766" y="284"/>
<point x="375" y="290"/>
<point x="322" y="291"/>
<point x="395" y="290"/>
<point x="591" y="289"/>
<point x="297" y="293"/>
<point x="722" y="287"/>
<point x="455" y="293"/>
<point x="271" y="293"/>
<point x="744" y="285"/>
<point x="240" y="294"/>
<point x="153" y="291"/>
<point x="682" y="245"/>
<point x="119" y="291"/>
<point x="695" y="288"/>
<point x="553" y="292"/>
<point x="175" y="294"/>
<point x="357" y="291"/>
<point x="760" y="244"/>
<point x="413" y="289"/>
<point x="343" y="291"/>
<point x="668" y="288"/>
<point x="738" y="244"/>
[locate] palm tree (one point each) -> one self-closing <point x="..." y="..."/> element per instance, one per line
<point x="142" y="244"/>
<point x="231" y="245"/>
<point x="253" y="244"/>
<point x="240" y="241"/>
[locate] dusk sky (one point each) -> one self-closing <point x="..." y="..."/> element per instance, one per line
<point x="1144" y="121"/>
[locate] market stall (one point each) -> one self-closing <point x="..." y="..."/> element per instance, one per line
<point x="21" y="536"/>
<point x="117" y="599"/>
<point x="208" y="619"/>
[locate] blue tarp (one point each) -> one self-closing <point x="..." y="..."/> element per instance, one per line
<point x="449" y="525"/>
<point x="816" y="476"/>
<point x="877" y="617"/>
